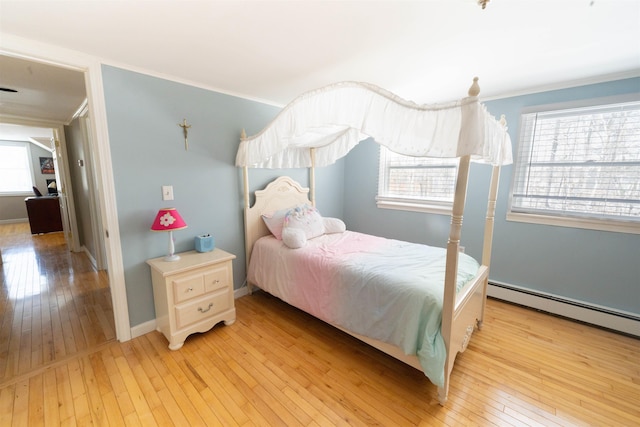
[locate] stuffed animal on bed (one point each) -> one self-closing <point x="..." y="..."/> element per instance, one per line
<point x="298" y="224"/>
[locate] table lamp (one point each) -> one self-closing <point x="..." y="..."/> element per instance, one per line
<point x="168" y="219"/>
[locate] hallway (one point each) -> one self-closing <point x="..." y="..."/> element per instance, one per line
<point x="53" y="303"/>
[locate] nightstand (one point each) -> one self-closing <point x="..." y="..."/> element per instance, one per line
<point x="192" y="294"/>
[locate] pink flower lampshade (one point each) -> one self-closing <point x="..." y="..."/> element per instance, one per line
<point x="168" y="219"/>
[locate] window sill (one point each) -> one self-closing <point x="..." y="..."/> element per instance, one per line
<point x="25" y="194"/>
<point x="584" y="223"/>
<point x="414" y="206"/>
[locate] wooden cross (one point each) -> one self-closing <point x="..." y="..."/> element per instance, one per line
<point x="185" y="130"/>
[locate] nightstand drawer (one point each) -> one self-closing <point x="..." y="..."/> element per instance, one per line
<point x="201" y="309"/>
<point x="217" y="278"/>
<point x="188" y="287"/>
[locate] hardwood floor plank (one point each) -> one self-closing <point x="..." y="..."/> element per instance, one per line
<point x="162" y="417"/>
<point x="36" y="401"/>
<point x="21" y="404"/>
<point x="57" y="332"/>
<point x="112" y="409"/>
<point x="82" y="414"/>
<point x="94" y="399"/>
<point x="46" y="331"/>
<point x="64" y="395"/>
<point x="7" y="395"/>
<point x="50" y="391"/>
<point x="15" y="341"/>
<point x="133" y="420"/>
<point x="24" y="362"/>
<point x="117" y="382"/>
<point x="71" y="330"/>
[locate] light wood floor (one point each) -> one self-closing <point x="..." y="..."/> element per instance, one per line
<point x="277" y="366"/>
<point x="53" y="304"/>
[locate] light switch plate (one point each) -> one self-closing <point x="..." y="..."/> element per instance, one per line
<point x="167" y="192"/>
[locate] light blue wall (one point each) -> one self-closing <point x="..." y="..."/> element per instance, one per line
<point x="596" y="267"/>
<point x="147" y="149"/>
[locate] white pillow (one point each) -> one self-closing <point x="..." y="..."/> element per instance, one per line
<point x="333" y="225"/>
<point x="274" y="222"/>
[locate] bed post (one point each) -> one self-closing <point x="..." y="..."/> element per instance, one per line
<point x="312" y="176"/>
<point x="488" y="228"/>
<point x="245" y="179"/>
<point x="451" y="272"/>
<point x="491" y="214"/>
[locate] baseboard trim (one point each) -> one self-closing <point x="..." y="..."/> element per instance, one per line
<point x="244" y="290"/>
<point x="90" y="256"/>
<point x="13" y="221"/>
<point x="150" y="326"/>
<point x="143" y="328"/>
<point x="617" y="320"/>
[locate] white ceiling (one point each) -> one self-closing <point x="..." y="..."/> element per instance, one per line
<point x="45" y="92"/>
<point x="425" y="51"/>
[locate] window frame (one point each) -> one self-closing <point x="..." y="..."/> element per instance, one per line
<point x="412" y="204"/>
<point x="27" y="147"/>
<point x="567" y="219"/>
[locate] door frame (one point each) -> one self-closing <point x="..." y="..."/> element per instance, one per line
<point x="105" y="199"/>
<point x="85" y="126"/>
<point x="65" y="190"/>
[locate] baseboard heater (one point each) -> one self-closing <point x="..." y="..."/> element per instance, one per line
<point x="617" y="320"/>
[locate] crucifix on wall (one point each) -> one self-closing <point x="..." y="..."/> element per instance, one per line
<point x="185" y="130"/>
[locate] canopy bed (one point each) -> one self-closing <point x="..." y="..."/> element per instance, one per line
<point x="418" y="304"/>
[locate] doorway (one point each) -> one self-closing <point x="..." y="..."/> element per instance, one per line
<point x="93" y="124"/>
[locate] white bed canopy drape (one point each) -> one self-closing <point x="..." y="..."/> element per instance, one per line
<point x="335" y="118"/>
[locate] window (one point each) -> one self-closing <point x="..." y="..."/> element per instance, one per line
<point x="16" y="174"/>
<point x="416" y="183"/>
<point x="579" y="167"/>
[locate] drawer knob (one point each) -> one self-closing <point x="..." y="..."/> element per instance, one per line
<point x="204" y="310"/>
<point x="189" y="289"/>
<point x="215" y="282"/>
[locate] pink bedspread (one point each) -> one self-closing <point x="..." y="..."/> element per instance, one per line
<point x="385" y="289"/>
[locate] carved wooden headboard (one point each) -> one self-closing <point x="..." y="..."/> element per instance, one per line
<point x="281" y="193"/>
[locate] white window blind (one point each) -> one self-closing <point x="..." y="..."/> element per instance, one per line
<point x="16" y="175"/>
<point x="579" y="163"/>
<point x="416" y="183"/>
